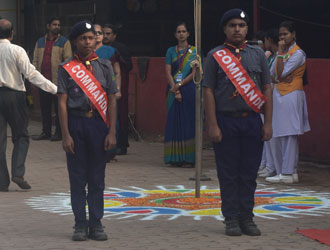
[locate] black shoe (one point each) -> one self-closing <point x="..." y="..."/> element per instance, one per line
<point x="3" y="189"/>
<point x="232" y="227"/>
<point x="21" y="182"/>
<point x="110" y="157"/>
<point x="97" y="233"/>
<point x="40" y="137"/>
<point x="248" y="227"/>
<point x="121" y="151"/>
<point x="56" y="137"/>
<point x="80" y="233"/>
<point x="187" y="165"/>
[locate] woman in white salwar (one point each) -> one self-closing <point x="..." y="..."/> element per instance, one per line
<point x="290" y="117"/>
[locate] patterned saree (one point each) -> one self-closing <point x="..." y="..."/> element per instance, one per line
<point x="180" y="125"/>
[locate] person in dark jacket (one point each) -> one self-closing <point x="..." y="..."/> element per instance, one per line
<point x="110" y="35"/>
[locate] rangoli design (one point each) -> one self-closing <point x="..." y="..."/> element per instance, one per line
<point x="176" y="201"/>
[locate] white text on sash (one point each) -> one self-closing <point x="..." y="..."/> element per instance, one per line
<point x="90" y="86"/>
<point x="240" y="78"/>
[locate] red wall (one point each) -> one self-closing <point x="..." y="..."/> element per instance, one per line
<point x="147" y="102"/>
<point x="147" y="99"/>
<point x="316" y="143"/>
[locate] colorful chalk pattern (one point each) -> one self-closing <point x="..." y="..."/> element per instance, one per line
<point x="173" y="202"/>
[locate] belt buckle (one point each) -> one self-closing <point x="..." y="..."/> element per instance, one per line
<point x="244" y="114"/>
<point x="89" y="114"/>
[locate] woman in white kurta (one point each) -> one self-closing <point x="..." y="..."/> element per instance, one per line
<point x="290" y="118"/>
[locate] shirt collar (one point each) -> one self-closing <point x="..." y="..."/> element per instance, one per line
<point x="47" y="37"/>
<point x="4" y="41"/>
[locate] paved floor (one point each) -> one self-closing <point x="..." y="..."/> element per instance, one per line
<point x="23" y="226"/>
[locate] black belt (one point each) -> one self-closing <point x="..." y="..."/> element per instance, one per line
<point x="8" y="89"/>
<point x="86" y="114"/>
<point x="241" y="114"/>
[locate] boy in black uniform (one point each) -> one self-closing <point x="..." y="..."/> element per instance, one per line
<point x="236" y="86"/>
<point x="87" y="112"/>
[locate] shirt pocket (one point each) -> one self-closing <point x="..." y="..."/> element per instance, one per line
<point x="74" y="91"/>
<point x="254" y="72"/>
<point x="222" y="77"/>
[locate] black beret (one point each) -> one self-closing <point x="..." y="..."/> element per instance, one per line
<point x="233" y="13"/>
<point x="81" y="28"/>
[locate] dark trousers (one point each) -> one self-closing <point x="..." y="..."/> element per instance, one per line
<point x="123" y="129"/>
<point x="123" y="110"/>
<point x="238" y="156"/>
<point x="46" y="102"/>
<point x="87" y="167"/>
<point x="13" y="111"/>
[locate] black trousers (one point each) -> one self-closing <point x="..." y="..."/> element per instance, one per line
<point x="13" y="111"/>
<point x="123" y="126"/>
<point x="87" y="168"/>
<point x="46" y="102"/>
<point x="238" y="157"/>
<point x="123" y="110"/>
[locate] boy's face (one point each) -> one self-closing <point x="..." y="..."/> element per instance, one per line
<point x="236" y="30"/>
<point x="85" y="43"/>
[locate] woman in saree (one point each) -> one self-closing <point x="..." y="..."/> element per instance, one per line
<point x="180" y="97"/>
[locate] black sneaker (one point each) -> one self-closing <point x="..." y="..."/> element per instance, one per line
<point x="40" y="137"/>
<point x="21" y="182"/>
<point x="111" y="157"/>
<point x="232" y="227"/>
<point x="97" y="233"/>
<point x="56" y="137"/>
<point x="248" y="227"/>
<point x="121" y="151"/>
<point x="80" y="233"/>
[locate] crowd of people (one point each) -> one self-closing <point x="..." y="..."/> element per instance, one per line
<point x="255" y="109"/>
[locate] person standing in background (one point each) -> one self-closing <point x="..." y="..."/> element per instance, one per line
<point x="50" y="50"/>
<point x="109" y="53"/>
<point x="290" y="118"/>
<point x="14" y="63"/>
<point x="179" y="140"/>
<point x="259" y="37"/>
<point x="110" y="35"/>
<point x="267" y="168"/>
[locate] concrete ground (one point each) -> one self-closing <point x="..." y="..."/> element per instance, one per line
<point x="27" y="226"/>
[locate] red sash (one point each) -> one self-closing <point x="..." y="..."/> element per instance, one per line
<point x="91" y="87"/>
<point x="240" y="78"/>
